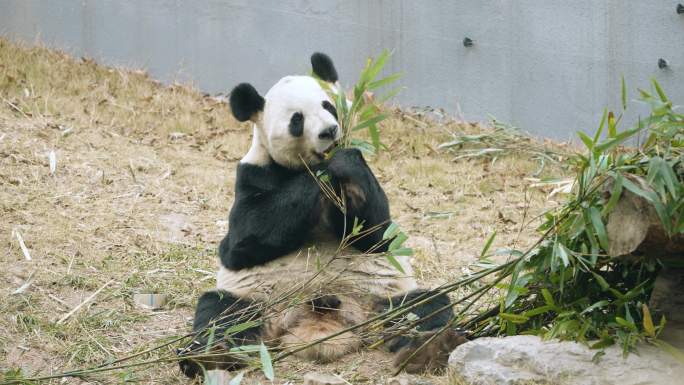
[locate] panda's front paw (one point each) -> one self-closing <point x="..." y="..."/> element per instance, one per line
<point x="350" y="170"/>
<point x="347" y="164"/>
<point x="199" y="357"/>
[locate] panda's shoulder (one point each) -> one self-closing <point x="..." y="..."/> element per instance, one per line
<point x="256" y="177"/>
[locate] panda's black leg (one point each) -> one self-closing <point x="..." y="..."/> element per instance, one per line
<point x="217" y="311"/>
<point x="417" y="313"/>
<point x="430" y="320"/>
<point x="325" y="303"/>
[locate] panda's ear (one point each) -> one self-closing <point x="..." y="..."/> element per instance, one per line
<point x="245" y="102"/>
<point x="323" y="67"/>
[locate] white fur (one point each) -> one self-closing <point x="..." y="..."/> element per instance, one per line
<point x="348" y="272"/>
<point x="319" y="265"/>
<point x="272" y="140"/>
<point x="257" y="154"/>
<point x="271" y="132"/>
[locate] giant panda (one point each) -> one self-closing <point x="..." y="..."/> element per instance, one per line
<point x="282" y="265"/>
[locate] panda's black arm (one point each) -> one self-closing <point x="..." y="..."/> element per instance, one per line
<point x="273" y="212"/>
<point x="366" y="200"/>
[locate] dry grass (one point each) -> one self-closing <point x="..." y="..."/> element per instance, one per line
<point x="139" y="197"/>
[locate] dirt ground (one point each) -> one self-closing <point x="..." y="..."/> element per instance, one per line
<point x="116" y="185"/>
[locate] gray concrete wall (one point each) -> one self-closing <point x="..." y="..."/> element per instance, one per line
<point x="547" y="66"/>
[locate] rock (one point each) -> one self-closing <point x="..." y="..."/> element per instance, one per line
<point x="634" y="227"/>
<point x="149" y="301"/>
<point x="406" y="379"/>
<point x="314" y="378"/>
<point x="530" y="360"/>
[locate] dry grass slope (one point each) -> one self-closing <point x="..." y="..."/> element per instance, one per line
<point x="139" y="199"/>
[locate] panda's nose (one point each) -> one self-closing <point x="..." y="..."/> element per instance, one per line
<point x="328" y="133"/>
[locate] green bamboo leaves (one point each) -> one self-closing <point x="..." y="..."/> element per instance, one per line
<point x="396" y="239"/>
<point x="571" y="288"/>
<point x="266" y="362"/>
<point x="363" y="111"/>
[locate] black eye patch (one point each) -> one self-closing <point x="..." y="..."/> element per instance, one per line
<point x="297" y="124"/>
<point x="330" y="108"/>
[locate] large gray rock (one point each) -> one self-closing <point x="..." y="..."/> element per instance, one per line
<point x="529" y="360"/>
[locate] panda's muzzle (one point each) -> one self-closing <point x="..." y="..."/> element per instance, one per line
<point x="327" y="151"/>
<point x="325" y="154"/>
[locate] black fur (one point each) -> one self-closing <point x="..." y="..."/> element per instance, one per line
<point x="347" y="167"/>
<point x="245" y="101"/>
<point x="329" y="132"/>
<point x="274" y="213"/>
<point x="433" y="323"/>
<point x="296" y="125"/>
<point x="275" y="208"/>
<point x="221" y="310"/>
<point x="323" y="67"/>
<point x="326" y="303"/>
<point x="330" y="108"/>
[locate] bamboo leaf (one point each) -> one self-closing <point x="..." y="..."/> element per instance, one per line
<point x="668" y="175"/>
<point x="397" y="241"/>
<point x="487" y="245"/>
<point x="515" y="318"/>
<point x="649" y="328"/>
<point x="357" y="227"/>
<point x="393" y="261"/>
<point x="516" y="285"/>
<point x="548" y="298"/>
<point x="601" y="281"/>
<point x="376" y="66"/>
<point x="245" y="349"/>
<point x="375" y="136"/>
<point x="368" y="111"/>
<point x="604" y="342"/>
<point x="391" y="231"/>
<point x="631" y="186"/>
<point x="537" y="311"/>
<point x="659" y="90"/>
<point x="616" y="140"/>
<point x="595" y="306"/>
<point x="601" y="126"/>
<point x="661" y="324"/>
<point x="240" y="327"/>
<point x="586" y="140"/>
<point x="210" y="340"/>
<point x="652" y="198"/>
<point x="600" y="228"/>
<point x="404" y="251"/>
<point x="372" y="121"/>
<point x="266" y="363"/>
<point x="615" y="194"/>
<point x="362" y="146"/>
<point x="384" y="81"/>
<point x="627" y="324"/>
<point x="564" y="254"/>
<point x="612" y="127"/>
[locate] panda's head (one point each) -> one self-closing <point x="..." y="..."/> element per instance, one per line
<point x="295" y="121"/>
